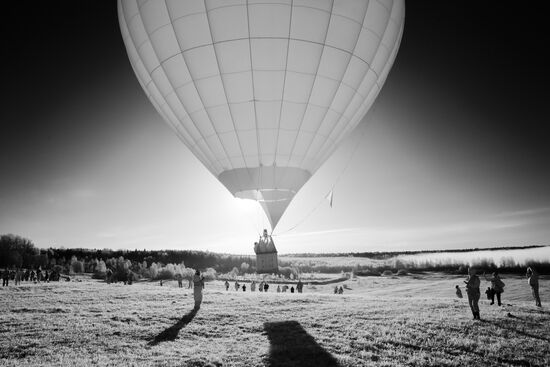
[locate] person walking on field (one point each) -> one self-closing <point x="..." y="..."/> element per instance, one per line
<point x="198" y="285"/>
<point x="533" y="280"/>
<point x="472" y="290"/>
<point x="497" y="287"/>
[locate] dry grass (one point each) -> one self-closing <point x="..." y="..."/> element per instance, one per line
<point x="412" y="321"/>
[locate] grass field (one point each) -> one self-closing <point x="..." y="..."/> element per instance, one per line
<point x="411" y="321"/>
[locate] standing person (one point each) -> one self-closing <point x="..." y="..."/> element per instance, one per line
<point x="226" y="285"/>
<point x="18" y="276"/>
<point x="278" y="289"/>
<point x="299" y="286"/>
<point x="244" y="287"/>
<point x="472" y="290"/>
<point x="198" y="285"/>
<point x="253" y="286"/>
<point x="497" y="287"/>
<point x="266" y="287"/>
<point x="237" y="285"/>
<point x="5" y="278"/>
<point x="490" y="294"/>
<point x="533" y="280"/>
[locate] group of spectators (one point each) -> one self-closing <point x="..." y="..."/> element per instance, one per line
<point x="263" y="286"/>
<point x="28" y="275"/>
<point x="496" y="289"/>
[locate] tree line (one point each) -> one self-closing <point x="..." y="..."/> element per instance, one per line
<point x="19" y="252"/>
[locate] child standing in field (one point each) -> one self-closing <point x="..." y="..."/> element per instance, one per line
<point x="458" y="291"/>
<point x="490" y="294"/>
<point x="473" y="293"/>
<point x="533" y="280"/>
<point x="497" y="287"/>
<point x="198" y="285"/>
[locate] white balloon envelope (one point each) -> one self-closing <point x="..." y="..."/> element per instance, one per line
<point x="262" y="91"/>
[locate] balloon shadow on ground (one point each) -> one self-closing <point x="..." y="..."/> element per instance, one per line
<point x="172" y="332"/>
<point x="291" y="345"/>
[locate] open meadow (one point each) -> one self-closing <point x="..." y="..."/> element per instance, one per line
<point x="413" y="320"/>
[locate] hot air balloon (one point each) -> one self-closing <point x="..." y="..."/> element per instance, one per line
<point x="262" y="91"/>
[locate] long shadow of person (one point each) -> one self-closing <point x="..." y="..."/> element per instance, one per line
<point x="171" y="333"/>
<point x="291" y="345"/>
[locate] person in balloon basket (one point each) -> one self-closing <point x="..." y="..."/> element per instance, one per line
<point x="198" y="285"/>
<point x="497" y="287"/>
<point x="472" y="290"/>
<point x="533" y="280"/>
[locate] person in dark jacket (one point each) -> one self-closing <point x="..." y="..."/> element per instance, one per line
<point x="497" y="287"/>
<point x="458" y="291"/>
<point x="472" y="290"/>
<point x="5" y="278"/>
<point x="533" y="280"/>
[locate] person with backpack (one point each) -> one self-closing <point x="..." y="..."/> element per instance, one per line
<point x="497" y="287"/>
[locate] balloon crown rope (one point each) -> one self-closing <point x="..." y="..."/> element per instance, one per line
<point x="329" y="195"/>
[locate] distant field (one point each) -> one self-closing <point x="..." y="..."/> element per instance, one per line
<point x="411" y="320"/>
<point x="518" y="256"/>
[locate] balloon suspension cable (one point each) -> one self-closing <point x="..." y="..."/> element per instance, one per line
<point x="329" y="193"/>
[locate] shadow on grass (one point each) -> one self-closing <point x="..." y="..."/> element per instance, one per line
<point x="291" y="345"/>
<point x="512" y="327"/>
<point x="172" y="332"/>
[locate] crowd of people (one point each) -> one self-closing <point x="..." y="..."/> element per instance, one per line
<point x="28" y="275"/>
<point x="263" y="286"/>
<point x="496" y="289"/>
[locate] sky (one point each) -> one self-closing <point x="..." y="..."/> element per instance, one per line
<point x="453" y="154"/>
